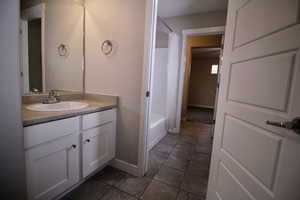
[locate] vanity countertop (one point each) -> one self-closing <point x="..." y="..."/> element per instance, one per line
<point x="36" y="117"/>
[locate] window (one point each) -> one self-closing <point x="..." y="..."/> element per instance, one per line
<point x="214" y="69"/>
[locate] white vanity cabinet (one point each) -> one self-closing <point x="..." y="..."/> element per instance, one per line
<point x="98" y="140"/>
<point x="59" y="154"/>
<point x="52" y="157"/>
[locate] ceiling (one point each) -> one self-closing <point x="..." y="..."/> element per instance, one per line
<point x="171" y="8"/>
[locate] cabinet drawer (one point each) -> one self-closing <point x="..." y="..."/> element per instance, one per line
<point x="96" y="119"/>
<point x="37" y="134"/>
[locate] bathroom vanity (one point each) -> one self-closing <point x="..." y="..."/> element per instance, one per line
<point x="68" y="134"/>
<point x="63" y="148"/>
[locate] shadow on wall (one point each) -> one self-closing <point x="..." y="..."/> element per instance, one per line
<point x="203" y="84"/>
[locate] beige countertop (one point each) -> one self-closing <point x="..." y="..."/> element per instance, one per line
<point x="34" y="117"/>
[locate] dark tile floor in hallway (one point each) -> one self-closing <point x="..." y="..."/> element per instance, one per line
<point x="178" y="170"/>
<point x="202" y="115"/>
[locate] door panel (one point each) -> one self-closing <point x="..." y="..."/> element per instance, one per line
<point x="260" y="81"/>
<point x="288" y="179"/>
<point x="260" y="158"/>
<point x="254" y="185"/>
<point x="265" y="92"/>
<point x="59" y="162"/>
<point x="228" y="186"/>
<point x="98" y="147"/>
<point x="256" y="19"/>
<point x="52" y="168"/>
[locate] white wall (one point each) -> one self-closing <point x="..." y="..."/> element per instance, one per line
<point x="202" y="84"/>
<point x="12" y="167"/>
<point x="158" y="101"/>
<point x="120" y="74"/>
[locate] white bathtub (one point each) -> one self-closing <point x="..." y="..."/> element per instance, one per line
<point x="158" y="129"/>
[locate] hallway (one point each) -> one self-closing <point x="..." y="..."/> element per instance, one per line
<point x="178" y="170"/>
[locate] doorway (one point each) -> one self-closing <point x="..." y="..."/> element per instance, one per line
<point x="179" y="161"/>
<point x="203" y="84"/>
<point x="175" y="158"/>
<point x="163" y="86"/>
<point x="200" y="84"/>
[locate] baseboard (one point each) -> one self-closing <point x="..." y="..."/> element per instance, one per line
<point x="200" y="106"/>
<point x="174" y="131"/>
<point x="125" y="166"/>
<point x="157" y="139"/>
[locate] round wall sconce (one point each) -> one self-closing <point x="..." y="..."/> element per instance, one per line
<point x="107" y="47"/>
<point x="63" y="50"/>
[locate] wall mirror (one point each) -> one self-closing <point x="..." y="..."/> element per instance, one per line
<point x="51" y="45"/>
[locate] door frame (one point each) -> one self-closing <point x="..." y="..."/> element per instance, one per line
<point x="148" y="65"/>
<point x="218" y="80"/>
<point x="185" y="34"/>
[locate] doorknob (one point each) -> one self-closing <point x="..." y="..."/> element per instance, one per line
<point x="292" y="125"/>
<point x="73" y="146"/>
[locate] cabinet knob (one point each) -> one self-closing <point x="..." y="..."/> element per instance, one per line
<point x="87" y="140"/>
<point x="74" y="146"/>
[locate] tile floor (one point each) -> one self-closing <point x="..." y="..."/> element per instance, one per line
<point x="178" y="170"/>
<point x="202" y="115"/>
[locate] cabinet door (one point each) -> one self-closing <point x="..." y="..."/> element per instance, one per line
<point x="98" y="147"/>
<point x="53" y="167"/>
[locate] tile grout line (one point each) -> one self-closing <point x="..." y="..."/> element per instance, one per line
<point x="162" y="158"/>
<point x="116" y="188"/>
<point x="163" y="164"/>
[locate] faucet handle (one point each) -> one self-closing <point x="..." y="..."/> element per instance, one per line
<point x="56" y="94"/>
<point x="52" y="93"/>
<point x="53" y="97"/>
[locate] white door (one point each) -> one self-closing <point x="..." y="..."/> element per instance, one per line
<point x="260" y="81"/>
<point x="52" y="168"/>
<point x="98" y="147"/>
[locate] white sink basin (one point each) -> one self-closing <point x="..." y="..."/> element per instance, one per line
<point x="61" y="106"/>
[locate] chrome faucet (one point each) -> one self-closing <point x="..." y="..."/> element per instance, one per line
<point x="51" y="93"/>
<point x="52" y="98"/>
<point x="35" y="91"/>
